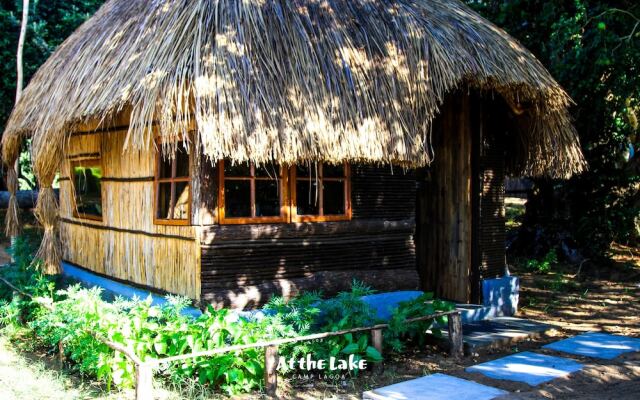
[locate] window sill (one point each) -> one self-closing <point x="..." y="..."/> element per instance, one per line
<point x="250" y="221"/>
<point x="172" y="222"/>
<point x="320" y="218"/>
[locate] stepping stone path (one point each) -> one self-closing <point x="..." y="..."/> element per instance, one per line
<point x="597" y="345"/>
<point x="528" y="367"/>
<point x="437" y="387"/>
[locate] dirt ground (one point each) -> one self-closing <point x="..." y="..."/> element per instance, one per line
<point x="596" y="298"/>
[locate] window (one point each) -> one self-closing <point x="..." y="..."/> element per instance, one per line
<point x="320" y="193"/>
<point x="172" y="188"/>
<point x="251" y="193"/>
<point x="87" y="189"/>
<point x="270" y="194"/>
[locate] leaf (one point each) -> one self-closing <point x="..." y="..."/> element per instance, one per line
<point x="351" y="348"/>
<point x="373" y="354"/>
<point x="362" y="343"/>
<point x="160" y="348"/>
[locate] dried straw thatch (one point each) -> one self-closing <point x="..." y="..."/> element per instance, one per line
<point x="295" y="80"/>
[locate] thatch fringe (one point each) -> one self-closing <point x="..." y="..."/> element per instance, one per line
<point x="50" y="251"/>
<point x="300" y="80"/>
<point x="12" y="220"/>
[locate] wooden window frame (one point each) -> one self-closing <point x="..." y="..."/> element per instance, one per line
<point x="173" y="181"/>
<point x="348" y="212"/>
<point x="284" y="198"/>
<point x="93" y="162"/>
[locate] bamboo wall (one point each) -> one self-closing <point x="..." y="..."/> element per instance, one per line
<point x="126" y="244"/>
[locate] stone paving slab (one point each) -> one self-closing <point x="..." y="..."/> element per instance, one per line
<point x="597" y="345"/>
<point x="499" y="332"/>
<point x="435" y="387"/>
<point x="527" y="367"/>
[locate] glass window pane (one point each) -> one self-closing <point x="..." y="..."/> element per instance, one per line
<point x="242" y="169"/>
<point x="88" y="190"/>
<point x="237" y="198"/>
<point x="267" y="198"/>
<point x="307" y="198"/>
<point x="307" y="170"/>
<point x="268" y="171"/>
<point x="182" y="162"/>
<point x="333" y="171"/>
<point x="164" y="169"/>
<point x="333" y="201"/>
<point x="181" y="209"/>
<point x="163" y="209"/>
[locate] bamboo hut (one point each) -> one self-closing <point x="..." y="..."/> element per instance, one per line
<point x="229" y="150"/>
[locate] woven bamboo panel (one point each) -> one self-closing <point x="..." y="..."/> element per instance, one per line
<point x="126" y="244"/>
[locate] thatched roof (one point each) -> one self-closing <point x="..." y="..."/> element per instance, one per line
<point x="293" y="80"/>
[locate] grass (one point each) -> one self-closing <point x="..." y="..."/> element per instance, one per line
<point x="27" y="376"/>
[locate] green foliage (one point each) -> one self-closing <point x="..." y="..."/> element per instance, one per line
<point x="308" y="313"/>
<point x="421" y="306"/>
<point x="50" y="23"/>
<point x="80" y="319"/>
<point x="544" y="265"/>
<point x="593" y="48"/>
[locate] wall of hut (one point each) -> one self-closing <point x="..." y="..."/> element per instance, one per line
<point x="244" y="265"/>
<point x="126" y="244"/>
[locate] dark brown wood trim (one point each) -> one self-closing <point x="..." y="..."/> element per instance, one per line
<point x="119" y="128"/>
<point x="123" y="180"/>
<point x="134" y="232"/>
<point x="116" y="179"/>
<point x="82" y="156"/>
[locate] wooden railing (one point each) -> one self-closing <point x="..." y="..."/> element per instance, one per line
<point x="144" y="369"/>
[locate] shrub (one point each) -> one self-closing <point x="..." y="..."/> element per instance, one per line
<point x="80" y="319"/>
<point x="543" y="266"/>
<point x="421" y="306"/>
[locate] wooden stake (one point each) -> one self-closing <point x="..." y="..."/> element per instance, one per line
<point x="376" y="342"/>
<point x="270" y="370"/>
<point x="61" y="354"/>
<point x="455" y="335"/>
<point x="144" y="382"/>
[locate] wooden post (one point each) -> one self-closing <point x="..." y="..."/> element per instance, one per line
<point x="61" y="354"/>
<point x="455" y="335"/>
<point x="376" y="342"/>
<point x="270" y="370"/>
<point x="144" y="382"/>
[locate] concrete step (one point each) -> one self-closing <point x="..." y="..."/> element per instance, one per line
<point x="499" y="332"/>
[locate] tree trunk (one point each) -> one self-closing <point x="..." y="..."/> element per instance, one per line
<point x="21" y="39"/>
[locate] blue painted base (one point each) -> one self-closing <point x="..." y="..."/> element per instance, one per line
<point x="501" y="295"/>
<point x="118" y="289"/>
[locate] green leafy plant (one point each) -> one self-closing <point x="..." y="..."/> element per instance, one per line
<point x="543" y="266"/>
<point x="80" y="320"/>
<point x="421" y="306"/>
